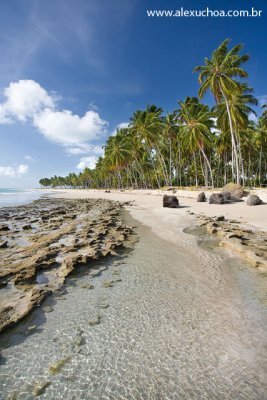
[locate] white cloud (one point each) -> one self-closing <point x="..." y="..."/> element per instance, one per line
<point x="14" y="172"/>
<point x="87" y="162"/>
<point x="24" y="99"/>
<point x="68" y="129"/>
<point x="120" y="126"/>
<point x="29" y="158"/>
<point x="22" y="169"/>
<point x="27" y="100"/>
<point x="84" y="148"/>
<point x="4" y="119"/>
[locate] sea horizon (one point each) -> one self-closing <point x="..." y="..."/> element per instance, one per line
<point x="10" y="197"/>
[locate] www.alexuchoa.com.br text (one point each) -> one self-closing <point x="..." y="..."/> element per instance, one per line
<point x="205" y="13"/>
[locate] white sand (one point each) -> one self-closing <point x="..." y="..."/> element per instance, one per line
<point x="165" y="222"/>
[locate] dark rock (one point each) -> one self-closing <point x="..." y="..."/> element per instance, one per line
<point x="226" y="196"/>
<point x="201" y="197"/>
<point x="253" y="200"/>
<point x="220" y="218"/>
<point x="3" y="244"/>
<point x="4" y="228"/>
<point x="216" y="198"/>
<point x="236" y="199"/>
<point x="170" y="201"/>
<point x="26" y="227"/>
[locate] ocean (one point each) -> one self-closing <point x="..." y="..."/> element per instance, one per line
<point x="15" y="197"/>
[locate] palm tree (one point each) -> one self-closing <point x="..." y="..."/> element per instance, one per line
<point x="148" y="125"/>
<point x="196" y="122"/>
<point x="239" y="108"/>
<point x="260" y="139"/>
<point x="217" y="74"/>
<point x="170" y="132"/>
<point x="264" y="116"/>
<point x="118" y="152"/>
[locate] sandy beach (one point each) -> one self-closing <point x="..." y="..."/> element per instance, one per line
<point x="164" y="222"/>
<point x="173" y="317"/>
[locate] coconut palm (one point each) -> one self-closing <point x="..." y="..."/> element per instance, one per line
<point x="217" y="74"/>
<point x="170" y="131"/>
<point x="260" y="141"/>
<point x="196" y="122"/>
<point x="118" y="152"/>
<point x="147" y="125"/>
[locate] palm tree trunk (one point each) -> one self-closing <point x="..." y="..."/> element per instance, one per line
<point x="225" y="169"/>
<point x="260" y="161"/>
<point x="141" y="172"/>
<point x="170" y="160"/>
<point x="232" y="137"/>
<point x="207" y="160"/>
<point x="202" y="168"/>
<point x="163" y="166"/>
<point x="195" y="163"/>
<point x="242" y="165"/>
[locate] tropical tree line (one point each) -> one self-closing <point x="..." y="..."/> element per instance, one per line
<point x="192" y="145"/>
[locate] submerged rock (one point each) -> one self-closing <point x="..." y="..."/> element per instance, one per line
<point x="108" y="283"/>
<point x="32" y="328"/>
<point x="170" y="201"/>
<point x="48" y="309"/>
<point x="40" y="387"/>
<point x="29" y="299"/>
<point x="55" y="368"/>
<point x="253" y="200"/>
<point x="87" y="286"/>
<point x="95" y="321"/>
<point x="74" y="239"/>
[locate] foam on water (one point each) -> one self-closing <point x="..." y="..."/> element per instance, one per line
<point x="161" y="322"/>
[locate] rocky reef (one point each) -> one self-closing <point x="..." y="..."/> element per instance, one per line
<point x="45" y="241"/>
<point x="248" y="243"/>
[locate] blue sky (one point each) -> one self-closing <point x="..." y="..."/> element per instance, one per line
<point x="71" y="71"/>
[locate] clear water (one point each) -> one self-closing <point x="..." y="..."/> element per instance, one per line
<point x="15" y="197"/>
<point x="178" y="322"/>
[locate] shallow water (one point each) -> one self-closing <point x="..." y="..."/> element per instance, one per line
<point x="176" y="323"/>
<point x="14" y="197"/>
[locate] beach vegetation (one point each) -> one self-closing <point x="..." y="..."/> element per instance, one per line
<point x="194" y="145"/>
